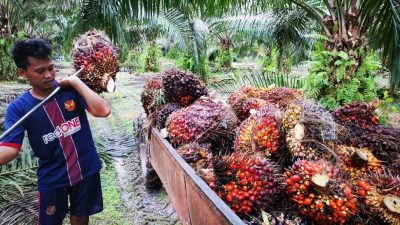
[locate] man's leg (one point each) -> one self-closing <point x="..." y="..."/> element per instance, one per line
<point x="85" y="199"/>
<point x="53" y="206"/>
<point x="79" y="220"/>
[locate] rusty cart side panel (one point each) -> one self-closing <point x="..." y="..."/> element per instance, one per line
<point x="193" y="200"/>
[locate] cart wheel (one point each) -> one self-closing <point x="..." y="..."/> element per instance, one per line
<point x="151" y="179"/>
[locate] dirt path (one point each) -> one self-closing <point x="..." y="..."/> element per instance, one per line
<point x="138" y="205"/>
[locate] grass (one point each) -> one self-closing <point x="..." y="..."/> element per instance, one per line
<point x="111" y="199"/>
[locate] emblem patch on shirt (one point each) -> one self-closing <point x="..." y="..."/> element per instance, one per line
<point x="51" y="210"/>
<point x="70" y="105"/>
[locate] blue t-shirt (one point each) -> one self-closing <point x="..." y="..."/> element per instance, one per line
<point x="60" y="136"/>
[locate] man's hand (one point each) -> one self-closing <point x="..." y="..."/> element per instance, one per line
<point x="7" y="154"/>
<point x="69" y="82"/>
<point x="97" y="106"/>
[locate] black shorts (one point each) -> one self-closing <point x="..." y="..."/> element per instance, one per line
<point x="85" y="199"/>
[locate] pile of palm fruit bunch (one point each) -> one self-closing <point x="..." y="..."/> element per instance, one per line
<point x="363" y="130"/>
<point x="94" y="52"/>
<point x="275" y="157"/>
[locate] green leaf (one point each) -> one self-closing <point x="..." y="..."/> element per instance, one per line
<point x="343" y="55"/>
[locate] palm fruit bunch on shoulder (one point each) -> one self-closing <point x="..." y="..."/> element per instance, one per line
<point x="152" y="95"/>
<point x="197" y="156"/>
<point x="359" y="113"/>
<point x="318" y="192"/>
<point x="383" y="197"/>
<point x="314" y="129"/>
<point x="241" y="103"/>
<point x="99" y="58"/>
<point x="203" y="121"/>
<point x="358" y="162"/>
<point x="182" y="87"/>
<point x="282" y="97"/>
<point x="164" y="112"/>
<point x="260" y="133"/>
<point x="253" y="184"/>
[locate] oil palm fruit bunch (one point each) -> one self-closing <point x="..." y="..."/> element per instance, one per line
<point x="152" y="96"/>
<point x="292" y="116"/>
<point x="359" y="113"/>
<point x="318" y="192"/>
<point x="383" y="197"/>
<point x="383" y="142"/>
<point x="260" y="132"/>
<point x="197" y="156"/>
<point x="182" y="87"/>
<point x="204" y="120"/>
<point x="314" y="129"/>
<point x="254" y="184"/>
<point x="252" y="104"/>
<point x="164" y="112"/>
<point x="266" y="134"/>
<point x="99" y="58"/>
<point x="358" y="162"/>
<point x="282" y="96"/>
<point x="239" y="100"/>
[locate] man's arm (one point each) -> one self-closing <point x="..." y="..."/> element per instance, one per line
<point x="97" y="105"/>
<point x="7" y="154"/>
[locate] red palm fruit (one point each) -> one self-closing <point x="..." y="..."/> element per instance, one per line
<point x="205" y="120"/>
<point x="252" y="104"/>
<point x="99" y="58"/>
<point x="358" y="162"/>
<point x="260" y="132"/>
<point x="197" y="156"/>
<point x="359" y="113"/>
<point x="282" y="97"/>
<point x="254" y="183"/>
<point x="383" y="197"/>
<point x="239" y="98"/>
<point x="318" y="192"/>
<point x="164" y="112"/>
<point x="266" y="134"/>
<point x="182" y="87"/>
<point x="151" y="95"/>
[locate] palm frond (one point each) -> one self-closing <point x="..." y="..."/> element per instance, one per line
<point x="175" y="26"/>
<point x="382" y="23"/>
<point x="256" y="79"/>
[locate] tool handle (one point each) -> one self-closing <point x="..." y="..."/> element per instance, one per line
<point x="9" y="130"/>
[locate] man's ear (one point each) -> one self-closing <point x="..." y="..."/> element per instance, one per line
<point x="21" y="72"/>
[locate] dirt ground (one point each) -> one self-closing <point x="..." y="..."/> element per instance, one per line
<point x="138" y="205"/>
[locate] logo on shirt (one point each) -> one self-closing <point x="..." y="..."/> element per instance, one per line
<point x="69" y="105"/>
<point x="65" y="129"/>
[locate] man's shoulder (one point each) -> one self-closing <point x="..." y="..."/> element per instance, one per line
<point x="20" y="103"/>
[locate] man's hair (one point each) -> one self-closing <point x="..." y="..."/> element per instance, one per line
<point x="34" y="47"/>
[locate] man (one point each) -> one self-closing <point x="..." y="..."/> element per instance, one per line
<point x="59" y="134"/>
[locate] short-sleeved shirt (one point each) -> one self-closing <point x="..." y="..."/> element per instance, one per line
<point x="60" y="136"/>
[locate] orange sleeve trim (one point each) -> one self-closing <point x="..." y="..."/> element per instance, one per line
<point x="12" y="145"/>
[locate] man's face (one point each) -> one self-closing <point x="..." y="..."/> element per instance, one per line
<point x="40" y="73"/>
